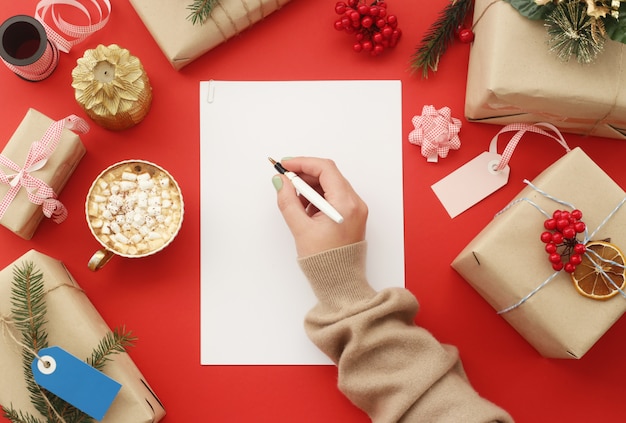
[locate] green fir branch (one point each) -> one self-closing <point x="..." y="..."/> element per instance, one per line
<point x="29" y="313"/>
<point x="201" y="10"/>
<point x="66" y="411"/>
<point x="115" y="342"/>
<point x="19" y="417"/>
<point x="439" y="36"/>
<point x="28" y="305"/>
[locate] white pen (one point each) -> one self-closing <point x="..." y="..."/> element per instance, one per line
<point x="309" y="193"/>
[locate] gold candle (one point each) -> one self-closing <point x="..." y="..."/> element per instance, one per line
<point x="112" y="87"/>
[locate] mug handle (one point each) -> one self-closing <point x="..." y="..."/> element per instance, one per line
<point x="99" y="259"/>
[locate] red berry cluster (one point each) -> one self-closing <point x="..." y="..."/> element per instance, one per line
<point x="564" y="250"/>
<point x="374" y="29"/>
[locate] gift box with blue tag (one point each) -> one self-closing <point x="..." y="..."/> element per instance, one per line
<point x="74" y="328"/>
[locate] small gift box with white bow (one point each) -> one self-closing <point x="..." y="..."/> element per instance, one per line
<point x="35" y="165"/>
<point x="560" y="296"/>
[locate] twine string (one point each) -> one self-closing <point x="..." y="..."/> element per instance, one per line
<point x="217" y="22"/>
<point x="7" y="324"/>
<point x="244" y="4"/>
<point x="607" y="218"/>
<point x="483" y="13"/>
<point x="530" y="294"/>
<point x="587" y="237"/>
<point x="247" y="9"/>
<point x="231" y="20"/>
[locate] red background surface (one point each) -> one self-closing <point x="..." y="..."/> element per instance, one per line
<point x="158" y="297"/>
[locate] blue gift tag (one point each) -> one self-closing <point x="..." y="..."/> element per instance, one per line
<point x="75" y="381"/>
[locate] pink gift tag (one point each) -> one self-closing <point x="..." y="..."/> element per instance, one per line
<point x="486" y="173"/>
<point x="471" y="183"/>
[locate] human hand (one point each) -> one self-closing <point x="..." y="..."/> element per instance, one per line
<point x="312" y="230"/>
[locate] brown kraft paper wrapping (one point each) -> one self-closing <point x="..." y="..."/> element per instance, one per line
<point x="23" y="217"/>
<point x="181" y="41"/>
<point x="513" y="77"/>
<point x="507" y="260"/>
<point x="75" y="325"/>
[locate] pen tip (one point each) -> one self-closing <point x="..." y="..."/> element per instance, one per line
<point x="272" y="160"/>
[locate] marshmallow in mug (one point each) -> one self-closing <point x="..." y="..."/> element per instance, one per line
<point x="135" y="209"/>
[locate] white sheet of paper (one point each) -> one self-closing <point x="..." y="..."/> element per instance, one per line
<point x="253" y="295"/>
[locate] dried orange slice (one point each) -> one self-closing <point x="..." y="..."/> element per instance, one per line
<point x="601" y="270"/>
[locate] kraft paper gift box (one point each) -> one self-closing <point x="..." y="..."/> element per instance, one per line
<point x="22" y="216"/>
<point x="506" y="261"/>
<point x="513" y="77"/>
<point x="72" y="323"/>
<point x="182" y="42"/>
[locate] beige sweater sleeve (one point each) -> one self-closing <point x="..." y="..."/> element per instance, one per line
<point x="392" y="369"/>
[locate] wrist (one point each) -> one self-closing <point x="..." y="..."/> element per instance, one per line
<point x="337" y="276"/>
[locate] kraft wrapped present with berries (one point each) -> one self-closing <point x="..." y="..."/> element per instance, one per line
<point x="72" y="323"/>
<point x="182" y="41"/>
<point x="513" y="76"/>
<point x="550" y="262"/>
<point x="35" y="165"/>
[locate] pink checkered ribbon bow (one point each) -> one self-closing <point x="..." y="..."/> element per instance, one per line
<point x="436" y="131"/>
<point x="37" y="190"/>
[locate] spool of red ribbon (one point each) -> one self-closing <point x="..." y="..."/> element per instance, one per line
<point x="26" y="49"/>
<point x="30" y="46"/>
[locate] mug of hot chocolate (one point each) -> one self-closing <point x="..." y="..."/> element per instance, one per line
<point x="134" y="208"/>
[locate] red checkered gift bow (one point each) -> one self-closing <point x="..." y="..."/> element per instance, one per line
<point x="40" y="151"/>
<point x="436" y="131"/>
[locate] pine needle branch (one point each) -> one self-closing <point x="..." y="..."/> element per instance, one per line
<point x="201" y="10"/>
<point x="28" y="305"/>
<point x="439" y="36"/>
<point x="113" y="343"/>
<point x="66" y="411"/>
<point x="29" y="312"/>
<point x="19" y="417"/>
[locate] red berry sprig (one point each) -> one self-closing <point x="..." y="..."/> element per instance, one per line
<point x="375" y="30"/>
<point x="564" y="250"/>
